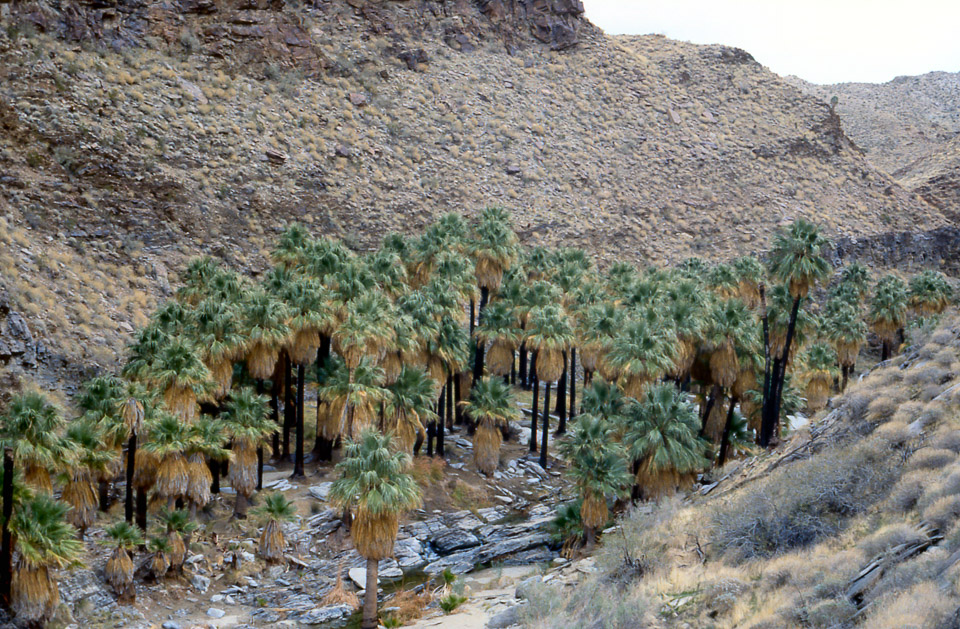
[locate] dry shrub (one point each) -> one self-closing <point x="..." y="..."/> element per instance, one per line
<point x="409" y="604"/>
<point x="339" y="595"/>
<point x="943" y="512"/>
<point x="801" y="503"/>
<point x="928" y="373"/>
<point x="940" y="485"/>
<point x="895" y="434"/>
<point x="828" y="613"/>
<point x="857" y="402"/>
<point x="589" y="605"/>
<point x="931" y="459"/>
<point x="923" y="606"/>
<point x="888" y="537"/>
<point x="882" y="408"/>
<point x="909" y="489"/>
<point x="947" y="440"/>
<point x="907" y="412"/>
<point x="720" y="597"/>
<point x="942" y="337"/>
<point x="428" y="470"/>
<point x="945" y="357"/>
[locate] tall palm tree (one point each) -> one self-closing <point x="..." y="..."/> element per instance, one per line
<point x="352" y="397"/>
<point x="92" y="461"/>
<point x="856" y="277"/>
<point x="275" y="511"/>
<point x="205" y="441"/>
<point x="123" y="537"/>
<point x="929" y="293"/>
<point x="750" y="274"/>
<point x="410" y="405"/>
<point x="180" y="373"/>
<point x="888" y="311"/>
<point x="217" y="331"/>
<point x="168" y="439"/>
<point x="796" y="260"/>
<point x="448" y="356"/>
<point x="33" y="429"/>
<point x="100" y="400"/>
<point x="491" y="406"/>
<point x="45" y="543"/>
<point x="500" y="330"/>
<point x="550" y="335"/>
<point x="374" y="482"/>
<point x="196" y="279"/>
<point x="660" y="434"/>
<point x="641" y="352"/>
<point x="264" y="324"/>
<point x="598" y="468"/>
<point x="846" y="329"/>
<point x="248" y="425"/>
<point x="819" y="371"/>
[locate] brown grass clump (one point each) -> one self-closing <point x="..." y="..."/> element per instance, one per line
<point x="882" y="408"/>
<point x="339" y="595"/>
<point x="410" y="605"/>
<point x="428" y="471"/>
<point x="888" y="537"/>
<point x="943" y="512"/>
<point x="931" y="459"/>
<point x="922" y="606"/>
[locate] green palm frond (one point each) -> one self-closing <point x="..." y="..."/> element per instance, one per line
<point x="663" y="428"/>
<point x="374" y="476"/>
<point x="123" y="535"/>
<point x="491" y="402"/>
<point x="797" y="258"/>
<point x="246" y="417"/>
<point x="276" y="507"/>
<point x="43" y="536"/>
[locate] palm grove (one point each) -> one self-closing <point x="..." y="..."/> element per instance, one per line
<point x="680" y="369"/>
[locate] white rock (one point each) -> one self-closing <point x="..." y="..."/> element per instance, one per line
<point x="213" y="612"/>
<point x="200" y="582"/>
<point x="359" y="577"/>
<point x="321" y="491"/>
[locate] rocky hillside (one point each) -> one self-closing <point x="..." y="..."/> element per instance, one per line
<point x="137" y="134"/>
<point x="898" y="122"/>
<point x="936" y="177"/>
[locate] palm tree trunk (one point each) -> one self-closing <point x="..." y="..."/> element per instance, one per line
<point x="534" y="417"/>
<point x="573" y="382"/>
<point x="450" y="401"/>
<point x="545" y="428"/>
<point x="259" y="468"/>
<point x="765" y="404"/>
<point x="778" y="392"/>
<point x="103" y="495"/>
<point x="370" y="619"/>
<point x="845" y="373"/>
<point x="457" y="398"/>
<point x="725" y="441"/>
<point x="142" y="509"/>
<point x="562" y="398"/>
<point x="275" y="392"/>
<point x="524" y="380"/>
<point x="884" y="351"/>
<point x="478" y="355"/>
<point x="298" y="454"/>
<point x="322" y="448"/>
<point x="6" y="537"/>
<point x="715" y="392"/>
<point x="289" y="411"/>
<point x="473" y="320"/>
<point x="131" y="464"/>
<point x="441" y="403"/>
<point x="240" y="507"/>
<point x="590" y="537"/>
<point x="513" y="368"/>
<point x="431" y="433"/>
<point x="215" y="475"/>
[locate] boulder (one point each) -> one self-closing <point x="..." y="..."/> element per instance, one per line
<point x="454" y="539"/>
<point x="321" y="615"/>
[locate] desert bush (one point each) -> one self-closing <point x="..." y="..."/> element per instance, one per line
<point x="942" y="512"/>
<point x="895" y="434"/>
<point x="639" y="544"/>
<point x="908" y="490"/>
<point x="924" y="605"/>
<point x="799" y="504"/>
<point x="941" y="484"/>
<point x="593" y="604"/>
<point x="882" y="408"/>
<point x="948" y="440"/>
<point x="907" y="412"/>
<point x="930" y="373"/>
<point x="931" y="459"/>
<point x="828" y="613"/>
<point x="888" y="537"/>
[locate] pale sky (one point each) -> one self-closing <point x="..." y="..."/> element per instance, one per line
<point x="823" y="41"/>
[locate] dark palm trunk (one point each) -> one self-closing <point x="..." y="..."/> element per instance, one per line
<point x="215" y="474"/>
<point x="884" y="351"/>
<point x="473" y="316"/>
<point x="289" y="409"/>
<point x="259" y="468"/>
<point x="765" y="408"/>
<point x="103" y="495"/>
<point x="298" y="454"/>
<point x="441" y="404"/>
<point x="845" y="373"/>
<point x="6" y="537"/>
<point x="715" y="393"/>
<point x="450" y="401"/>
<point x="275" y="392"/>
<point x="431" y="433"/>
<point x="524" y="379"/>
<point x="545" y="427"/>
<point x="513" y="368"/>
<point x="534" y="417"/>
<point x="142" y="509"/>
<point x="590" y="538"/>
<point x="784" y="360"/>
<point x="478" y="355"/>
<point x="725" y="441"/>
<point x="457" y="398"/>
<point x="370" y="619"/>
<point x="322" y="448"/>
<point x="562" y="399"/>
<point x="131" y="465"/>
<point x="573" y="382"/>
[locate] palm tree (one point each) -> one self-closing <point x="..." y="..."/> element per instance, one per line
<point x="352" y="398"/>
<point x="101" y="400"/>
<point x="930" y="293"/>
<point x="856" y="278"/>
<point x="448" y="356"/>
<point x="123" y="537"/>
<point x="750" y="273"/>
<point x="729" y="330"/>
<point x="179" y="527"/>
<point x="846" y="329"/>
<point x="550" y="335"/>
<point x="217" y="331"/>
<point x="499" y="329"/>
<point x="820" y="369"/>
<point x="598" y="468"/>
<point x="410" y="404"/>
<point x="641" y="352"/>
<point x="92" y="461"/>
<point x="603" y="399"/>
<point x="196" y="279"/>
<point x="159" y="548"/>
<point x="204" y="442"/>
<point x="375" y="484"/>
<point x="797" y="260"/>
<point x="660" y="434"/>
<point x="686" y="309"/>
<point x="168" y="439"/>
<point x="32" y="428"/>
<point x="275" y="510"/>
<point x="888" y="311"/>
<point x="45" y="542"/>
<point x="180" y="373"/>
<point x="491" y="406"/>
<point x="132" y="414"/>
<point x="248" y="425"/>
<point x="264" y="324"/>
